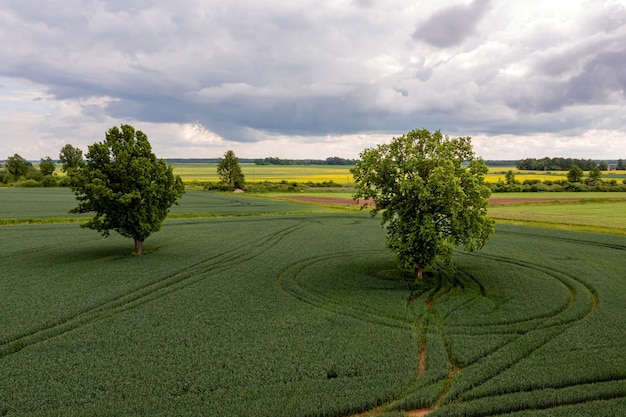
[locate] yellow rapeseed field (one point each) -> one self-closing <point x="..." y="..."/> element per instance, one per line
<point x="341" y="175"/>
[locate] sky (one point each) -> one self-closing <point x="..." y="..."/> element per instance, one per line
<point x="314" y="78"/>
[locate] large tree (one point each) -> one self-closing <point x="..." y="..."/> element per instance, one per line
<point x="575" y="174"/>
<point x="229" y="171"/>
<point x="47" y="166"/>
<point x="127" y="187"/>
<point x="594" y="175"/>
<point x="432" y="193"/>
<point x="70" y="157"/>
<point x="17" y="166"/>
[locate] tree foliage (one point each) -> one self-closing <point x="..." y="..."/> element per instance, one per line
<point x="47" y="166"/>
<point x="509" y="178"/>
<point x="432" y="195"/>
<point x="17" y="166"/>
<point x="555" y="164"/>
<point x="70" y="157"/>
<point x="229" y="170"/>
<point x="575" y="174"/>
<point x="127" y="187"/>
<point x="594" y="175"/>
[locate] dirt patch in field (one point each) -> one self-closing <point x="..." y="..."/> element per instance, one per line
<point x="325" y="200"/>
<point x="418" y="413"/>
<point x="350" y="202"/>
<point x="492" y="201"/>
<point x="556" y="199"/>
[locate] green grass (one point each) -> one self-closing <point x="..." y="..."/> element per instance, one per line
<point x="52" y="205"/>
<point x="304" y="315"/>
<point x="597" y="214"/>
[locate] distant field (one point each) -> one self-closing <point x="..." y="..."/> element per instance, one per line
<point x="597" y="212"/>
<point x="28" y="205"/>
<point x="190" y="172"/>
<point x="339" y="174"/>
<point x="244" y="306"/>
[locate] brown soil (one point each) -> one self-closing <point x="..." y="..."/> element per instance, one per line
<point x="325" y="200"/>
<point x="503" y="200"/>
<point x="492" y="201"/>
<point x="418" y="413"/>
<point x="422" y="360"/>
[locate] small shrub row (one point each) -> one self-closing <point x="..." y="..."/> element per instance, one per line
<point x="266" y="186"/>
<point x="36" y="180"/>
<point x="558" y="186"/>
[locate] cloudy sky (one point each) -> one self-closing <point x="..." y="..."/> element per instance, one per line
<point x="314" y="78"/>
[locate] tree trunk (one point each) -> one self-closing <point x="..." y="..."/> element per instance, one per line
<point x="418" y="273"/>
<point x="138" y="247"/>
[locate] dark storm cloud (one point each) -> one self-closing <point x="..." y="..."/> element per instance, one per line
<point x="604" y="76"/>
<point x="247" y="70"/>
<point x="587" y="72"/>
<point x="452" y="25"/>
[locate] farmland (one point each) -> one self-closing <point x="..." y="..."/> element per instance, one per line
<point x="268" y="307"/>
<point x="340" y="174"/>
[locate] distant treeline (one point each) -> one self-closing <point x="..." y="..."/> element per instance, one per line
<point x="564" y="164"/>
<point x="500" y="163"/>
<point x="334" y="160"/>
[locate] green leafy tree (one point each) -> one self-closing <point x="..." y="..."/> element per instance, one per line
<point x="70" y="157"/>
<point x="575" y="174"/>
<point x="17" y="166"/>
<point x="229" y="171"/>
<point x="432" y="193"/>
<point x="509" y="177"/>
<point x="620" y="164"/>
<point x="594" y="175"/>
<point x="128" y="188"/>
<point x="47" y="166"/>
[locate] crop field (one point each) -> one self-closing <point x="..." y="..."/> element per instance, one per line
<point x="595" y="212"/>
<point x="339" y="174"/>
<point x="243" y="306"/>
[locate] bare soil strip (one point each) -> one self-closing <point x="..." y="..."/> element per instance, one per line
<point x="492" y="201"/>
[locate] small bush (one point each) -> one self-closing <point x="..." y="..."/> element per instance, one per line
<point x="576" y="187"/>
<point x="49" y="181"/>
<point x="27" y="183"/>
<point x="34" y="175"/>
<point x="218" y="186"/>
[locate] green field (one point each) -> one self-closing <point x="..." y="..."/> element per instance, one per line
<point x="244" y="306"/>
<point x="595" y="212"/>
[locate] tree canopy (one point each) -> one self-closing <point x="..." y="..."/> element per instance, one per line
<point x="229" y="170"/>
<point x="432" y="195"/>
<point x="17" y="166"/>
<point x="70" y="157"/>
<point x="575" y="174"/>
<point x="127" y="187"/>
<point x="47" y="166"/>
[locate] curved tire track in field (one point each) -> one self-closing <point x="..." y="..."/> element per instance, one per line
<point x="530" y="335"/>
<point x="190" y="275"/>
<point x="534" y="333"/>
<point x="582" y="298"/>
<point x="290" y="282"/>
